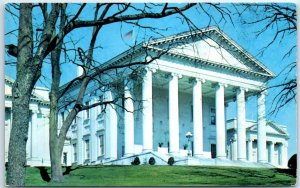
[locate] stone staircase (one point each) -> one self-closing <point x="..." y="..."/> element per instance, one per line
<point x="162" y="159"/>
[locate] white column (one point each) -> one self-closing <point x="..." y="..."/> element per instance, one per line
<point x="111" y="129"/>
<point x="271" y="147"/>
<point x="147" y="110"/>
<point x="284" y="154"/>
<point x="173" y="113"/>
<point x="128" y="119"/>
<point x="197" y="117"/>
<point x="249" y="150"/>
<point x="34" y="135"/>
<point x="241" y="121"/>
<point x="220" y="122"/>
<point x="80" y="153"/>
<point x="235" y="149"/>
<point x="280" y="153"/>
<point x="29" y="141"/>
<point x="93" y="138"/>
<point x="261" y="129"/>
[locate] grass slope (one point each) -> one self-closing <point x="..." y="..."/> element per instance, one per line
<point x="145" y="175"/>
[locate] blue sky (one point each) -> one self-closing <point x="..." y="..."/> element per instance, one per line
<point x="111" y="42"/>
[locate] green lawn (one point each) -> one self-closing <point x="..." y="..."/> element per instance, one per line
<point x="145" y="175"/>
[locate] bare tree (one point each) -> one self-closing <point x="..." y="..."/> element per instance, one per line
<point x="280" y="21"/>
<point x="90" y="73"/>
<point x="29" y="64"/>
<point x="28" y="72"/>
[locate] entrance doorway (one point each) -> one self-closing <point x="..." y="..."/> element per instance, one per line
<point x="213" y="150"/>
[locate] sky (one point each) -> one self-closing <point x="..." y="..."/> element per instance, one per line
<point x="111" y="43"/>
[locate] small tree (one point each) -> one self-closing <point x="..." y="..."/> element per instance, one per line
<point x="136" y="161"/>
<point x="152" y="161"/>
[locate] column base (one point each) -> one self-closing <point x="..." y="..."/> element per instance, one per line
<point x="174" y="153"/>
<point x="262" y="161"/>
<point x="198" y="155"/>
<point x="242" y="159"/>
<point x="221" y="157"/>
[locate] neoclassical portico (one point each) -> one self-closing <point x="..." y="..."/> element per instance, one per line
<point x="196" y="83"/>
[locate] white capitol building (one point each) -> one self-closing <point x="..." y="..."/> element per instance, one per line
<point x="183" y="93"/>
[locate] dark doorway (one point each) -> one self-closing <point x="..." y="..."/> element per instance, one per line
<point x="213" y="150"/>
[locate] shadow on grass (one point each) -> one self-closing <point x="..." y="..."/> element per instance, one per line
<point x="69" y="169"/>
<point x="46" y="176"/>
<point x="292" y="172"/>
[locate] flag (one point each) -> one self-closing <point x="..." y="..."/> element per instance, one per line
<point x="128" y="34"/>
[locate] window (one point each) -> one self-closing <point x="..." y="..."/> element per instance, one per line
<point x="87" y="149"/>
<point x="65" y="158"/>
<point x="212" y="116"/>
<point x="75" y="152"/>
<point x="87" y="111"/>
<point x="62" y="114"/>
<point x="7" y="114"/>
<point x="101" y="145"/>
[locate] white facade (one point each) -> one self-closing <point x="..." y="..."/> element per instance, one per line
<point x="37" y="148"/>
<point x="186" y="89"/>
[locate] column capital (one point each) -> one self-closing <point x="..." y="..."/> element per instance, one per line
<point x="145" y="70"/>
<point x="196" y="80"/>
<point x="233" y="138"/>
<point x="172" y="75"/>
<point x="219" y="84"/>
<point x="236" y="89"/>
<point x="35" y="111"/>
<point x="270" y="142"/>
<point x="250" y="139"/>
<point x="263" y="92"/>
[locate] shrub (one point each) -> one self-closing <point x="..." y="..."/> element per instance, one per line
<point x="171" y="161"/>
<point x="152" y="161"/>
<point x="292" y="164"/>
<point x="136" y="161"/>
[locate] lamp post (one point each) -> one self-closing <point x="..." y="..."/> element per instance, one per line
<point x="189" y="135"/>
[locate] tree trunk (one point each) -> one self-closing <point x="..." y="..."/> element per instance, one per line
<point x="56" y="169"/>
<point x="27" y="75"/>
<point x="17" y="143"/>
<point x="55" y="148"/>
<point x="55" y="151"/>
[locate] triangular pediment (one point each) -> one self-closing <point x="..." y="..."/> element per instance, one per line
<point x="271" y="128"/>
<point x="213" y="46"/>
<point x="207" y="49"/>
